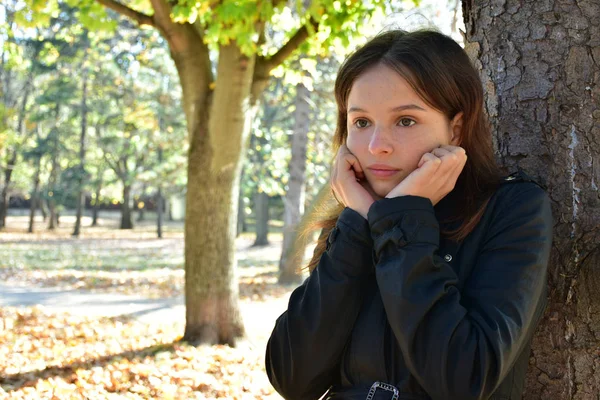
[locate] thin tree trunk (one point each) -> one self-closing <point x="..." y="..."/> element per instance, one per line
<point x="241" y="215"/>
<point x="539" y="65"/>
<point x="53" y="221"/>
<point x="43" y="208"/>
<point x="141" y="216"/>
<point x="261" y="210"/>
<point x="126" y="208"/>
<point x="294" y="198"/>
<point x="34" y="194"/>
<point x="168" y="210"/>
<point x="159" y="200"/>
<point x="96" y="205"/>
<point x="80" y="195"/>
<point x="5" y="189"/>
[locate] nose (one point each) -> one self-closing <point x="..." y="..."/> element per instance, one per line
<point x="380" y="142"/>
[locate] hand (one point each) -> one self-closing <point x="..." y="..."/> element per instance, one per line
<point x="435" y="176"/>
<point x="349" y="184"/>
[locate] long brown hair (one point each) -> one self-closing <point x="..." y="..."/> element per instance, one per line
<point x="440" y="72"/>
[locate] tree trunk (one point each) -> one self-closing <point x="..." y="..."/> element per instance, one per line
<point x="218" y="124"/>
<point x="141" y="216"/>
<point x="294" y="199"/>
<point x="80" y="194"/>
<point x="539" y="66"/>
<point x="43" y="206"/>
<point x="159" y="198"/>
<point x="241" y="215"/>
<point x="96" y="205"/>
<point x="34" y="195"/>
<point x="126" y="208"/>
<point x="159" y="213"/>
<point x="261" y="211"/>
<point x="168" y="208"/>
<point x="5" y="189"/>
<point x="53" y="222"/>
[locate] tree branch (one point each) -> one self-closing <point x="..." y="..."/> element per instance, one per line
<point x="114" y="166"/>
<point x="162" y="13"/>
<point x="268" y="64"/>
<point x="140" y="18"/>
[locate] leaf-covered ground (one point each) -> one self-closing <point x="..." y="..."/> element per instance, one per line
<point x="60" y="356"/>
<point x="46" y="355"/>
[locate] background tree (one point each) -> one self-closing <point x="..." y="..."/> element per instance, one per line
<point x="539" y="65"/>
<point x="81" y="172"/>
<point x="310" y="158"/>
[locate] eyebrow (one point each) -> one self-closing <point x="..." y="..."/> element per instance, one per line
<point x="399" y="108"/>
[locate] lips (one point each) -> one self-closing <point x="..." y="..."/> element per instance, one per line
<point x="382" y="170"/>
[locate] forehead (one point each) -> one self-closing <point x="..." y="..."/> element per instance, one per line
<point x="381" y="84"/>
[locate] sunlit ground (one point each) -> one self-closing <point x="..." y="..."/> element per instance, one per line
<point x="52" y="355"/>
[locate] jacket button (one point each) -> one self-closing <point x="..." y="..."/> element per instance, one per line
<point x="447" y="258"/>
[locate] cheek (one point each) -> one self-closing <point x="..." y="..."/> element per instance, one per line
<point x="353" y="143"/>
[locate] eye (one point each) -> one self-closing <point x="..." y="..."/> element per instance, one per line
<point x="362" y="123"/>
<point x="406" y="122"/>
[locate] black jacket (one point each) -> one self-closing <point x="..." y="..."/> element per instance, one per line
<point x="392" y="301"/>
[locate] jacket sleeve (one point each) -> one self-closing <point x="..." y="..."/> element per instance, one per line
<point x="304" y="351"/>
<point x="461" y="344"/>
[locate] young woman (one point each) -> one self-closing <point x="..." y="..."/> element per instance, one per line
<point x="430" y="278"/>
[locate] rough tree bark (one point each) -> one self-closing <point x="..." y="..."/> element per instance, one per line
<point x="294" y="198"/>
<point x="539" y="62"/>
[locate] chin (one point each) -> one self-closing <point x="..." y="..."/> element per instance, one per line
<point x="382" y="192"/>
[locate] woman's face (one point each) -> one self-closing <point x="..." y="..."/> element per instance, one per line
<point x="390" y="125"/>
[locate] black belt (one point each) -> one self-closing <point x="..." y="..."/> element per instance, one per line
<point x="377" y="391"/>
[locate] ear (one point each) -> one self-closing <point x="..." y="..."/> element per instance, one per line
<point x="456" y="126"/>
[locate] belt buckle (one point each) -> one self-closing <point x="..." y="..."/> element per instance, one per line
<point x="384" y="386"/>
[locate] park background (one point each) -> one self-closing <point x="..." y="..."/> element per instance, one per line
<point x="128" y="271"/>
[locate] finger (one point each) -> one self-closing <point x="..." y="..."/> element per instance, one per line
<point x="353" y="164"/>
<point x="344" y="150"/>
<point x="430" y="159"/>
<point x="347" y="153"/>
<point x="452" y="148"/>
<point x="440" y="152"/>
<point x="459" y="151"/>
